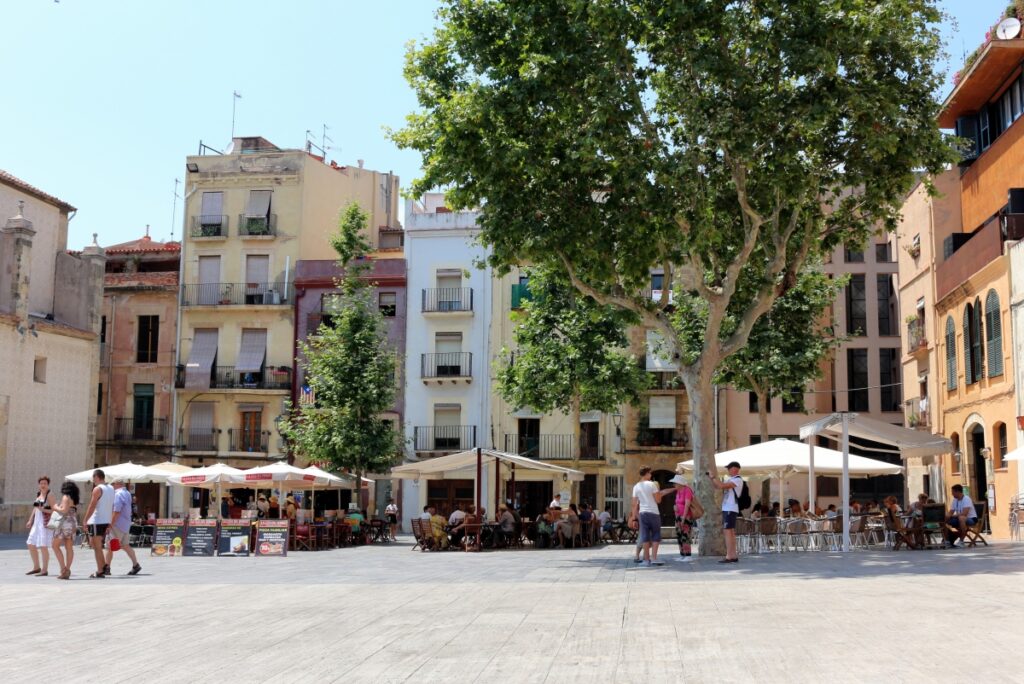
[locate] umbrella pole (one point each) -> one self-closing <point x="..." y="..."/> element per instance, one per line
<point x="812" y="485"/>
<point x="479" y="475"/>
<point x="846" y="482"/>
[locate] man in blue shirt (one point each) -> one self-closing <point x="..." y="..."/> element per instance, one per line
<point x="121" y="525"/>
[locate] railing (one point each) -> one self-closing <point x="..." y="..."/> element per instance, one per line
<point x="390" y="238"/>
<point x="226" y="377"/>
<point x="446" y="365"/>
<point x="444" y="437"/>
<point x="234" y="294"/>
<point x="985" y="245"/>
<point x="199" y="440"/>
<point x="246" y="439"/>
<point x="133" y="429"/>
<point x="520" y="293"/>
<point x="554" y="447"/>
<point x="249" y="226"/>
<point x="209" y="225"/>
<point x="915" y="336"/>
<point x="447" y="299"/>
<point x="915" y="411"/>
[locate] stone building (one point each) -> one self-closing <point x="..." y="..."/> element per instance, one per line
<point x="50" y="304"/>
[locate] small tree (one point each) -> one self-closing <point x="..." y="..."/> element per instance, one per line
<point x="571" y="355"/>
<point x="350" y="369"/>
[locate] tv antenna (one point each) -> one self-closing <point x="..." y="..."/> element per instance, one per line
<point x="324" y="139"/>
<point x="174" y="208"/>
<point x="236" y="96"/>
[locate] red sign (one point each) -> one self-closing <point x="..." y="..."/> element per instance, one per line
<point x="193" y="478"/>
<point x="258" y="476"/>
<point x="309" y="478"/>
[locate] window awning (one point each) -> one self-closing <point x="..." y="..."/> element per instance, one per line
<point x="456" y="466"/>
<point x="252" y="352"/>
<point x="662" y="412"/>
<point x="258" y="205"/>
<point x="213" y="204"/>
<point x="910" y="443"/>
<point x="201" y="358"/>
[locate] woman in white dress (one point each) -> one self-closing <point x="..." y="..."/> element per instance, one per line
<point x="39" y="537"/>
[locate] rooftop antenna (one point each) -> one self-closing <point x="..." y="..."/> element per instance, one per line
<point x="234" y="100"/>
<point x="174" y="209"/>
<point x="324" y="140"/>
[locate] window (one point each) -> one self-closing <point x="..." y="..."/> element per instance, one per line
<point x="993" y="334"/>
<point x="883" y="253"/>
<point x="752" y="403"/>
<point x="888" y="379"/>
<point x="915" y="245"/>
<point x="826" y="486"/>
<point x="387" y="302"/>
<point x="984" y="130"/>
<point x="950" y="354"/>
<point x="143" y="401"/>
<point x="853" y="254"/>
<point x="103" y="329"/>
<point x="796" y="405"/>
<point x="657" y="281"/>
<point x="968" y="357"/>
<point x="447" y="426"/>
<point x="1001" y="447"/>
<point x="856" y="306"/>
<point x="99" y="400"/>
<point x="39" y="369"/>
<point x="955" y="439"/>
<point x="211" y="217"/>
<point x="1015" y="100"/>
<point x="613" y="490"/>
<point x="973" y="353"/>
<point x="250" y="433"/>
<point x="146" y="346"/>
<point x="887" y="306"/>
<point x="857" y="379"/>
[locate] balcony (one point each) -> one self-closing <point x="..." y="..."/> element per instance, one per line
<point x="555" y="447"/>
<point x="520" y="293"/>
<point x="199" y="440"/>
<point x="247" y="440"/>
<point x="140" y="429"/>
<point x="444" y="437"/>
<point x="448" y="300"/>
<point x="234" y="294"/>
<point x="916" y="341"/>
<point x="915" y="411"/>
<point x="390" y="239"/>
<point x="257" y="226"/>
<point x="985" y="245"/>
<point x="447" y="366"/>
<point x="314" y="320"/>
<point x="209" y="226"/>
<point x="226" y="377"/>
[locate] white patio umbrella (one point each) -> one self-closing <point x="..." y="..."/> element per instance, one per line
<point x="1015" y="455"/>
<point x="210" y="477"/>
<point x="171" y="468"/>
<point x="281" y="474"/>
<point x="332" y="482"/>
<point x="132" y="472"/>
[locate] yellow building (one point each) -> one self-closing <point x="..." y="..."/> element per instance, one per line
<point x="251" y="214"/>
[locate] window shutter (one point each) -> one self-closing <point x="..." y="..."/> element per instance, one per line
<point x="213" y="204"/>
<point x="968" y="374"/>
<point x="950" y="353"/>
<point x="978" y="362"/>
<point x="662" y="412"/>
<point x="257" y="269"/>
<point x="994" y="333"/>
<point x="258" y="205"/>
<point x="252" y="351"/>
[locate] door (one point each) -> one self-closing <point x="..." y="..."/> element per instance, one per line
<point x="588" y="490"/>
<point x="589" y="440"/>
<point x="209" y="280"/>
<point x="447" y="428"/>
<point x="449" y="290"/>
<point x="250" y="433"/>
<point x="979" y="491"/>
<point x="449" y="354"/>
<point x="529" y="437"/>
<point x="667" y="505"/>
<point x="257" y="273"/>
<point x="533" y="498"/>
<point x="201" y="434"/>
<point x="147" y="500"/>
<point x="142" y="412"/>
<point x="211" y="221"/>
<point x="445" y="495"/>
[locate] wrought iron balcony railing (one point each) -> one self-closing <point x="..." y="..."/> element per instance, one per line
<point x="234" y="294"/>
<point x="447" y="300"/>
<point x="444" y="437"/>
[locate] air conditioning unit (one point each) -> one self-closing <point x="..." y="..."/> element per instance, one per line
<point x="271" y="297"/>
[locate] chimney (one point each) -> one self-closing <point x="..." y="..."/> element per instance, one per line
<point x="96" y="257"/>
<point x="16" y="264"/>
<point x="360" y="162"/>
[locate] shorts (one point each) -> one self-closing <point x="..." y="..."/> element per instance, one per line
<point x="97" y="529"/>
<point x="392" y="519"/>
<point x="650" y="528"/>
<point x="121" y="537"/>
<point x="729" y="520"/>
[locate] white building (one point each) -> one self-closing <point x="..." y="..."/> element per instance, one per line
<point x="447" y="341"/>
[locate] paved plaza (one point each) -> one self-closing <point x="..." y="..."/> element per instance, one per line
<point x="385" y="614"/>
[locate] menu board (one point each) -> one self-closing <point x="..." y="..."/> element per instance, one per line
<point x="168" y="537"/>
<point x="202" y="538"/>
<point x="272" y="538"/>
<point x="234" y="538"/>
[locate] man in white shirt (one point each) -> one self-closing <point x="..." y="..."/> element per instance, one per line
<point x="425" y="515"/>
<point x="605" y="520"/>
<point x="457" y="516"/>
<point x="962" y="515"/>
<point x="646" y="516"/>
<point x="733" y="485"/>
<point x="556" y="502"/>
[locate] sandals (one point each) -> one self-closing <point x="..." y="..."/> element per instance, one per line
<point x="64" y="574"/>
<point x="42" y="574"/>
<point x="97" y="575"/>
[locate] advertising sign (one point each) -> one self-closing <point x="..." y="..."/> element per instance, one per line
<point x="272" y="538"/>
<point x="234" y="538"/>
<point x="201" y="539"/>
<point x="168" y="537"/>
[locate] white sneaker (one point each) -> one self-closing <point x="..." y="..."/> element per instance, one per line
<point x="646" y="564"/>
<point x="683" y="559"/>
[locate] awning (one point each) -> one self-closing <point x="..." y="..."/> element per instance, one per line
<point x="252" y="352"/>
<point x="201" y="358"/>
<point x="258" y="205"/>
<point x="778" y="457"/>
<point x="459" y="464"/>
<point x="910" y="443"/>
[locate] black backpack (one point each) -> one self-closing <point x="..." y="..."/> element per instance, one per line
<point x="743" y="500"/>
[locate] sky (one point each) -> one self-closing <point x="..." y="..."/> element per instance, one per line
<point x="102" y="100"/>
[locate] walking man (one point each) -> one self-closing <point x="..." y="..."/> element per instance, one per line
<point x="733" y="487"/>
<point x="120" y="526"/>
<point x="646" y="497"/>
<point x="98" y="517"/>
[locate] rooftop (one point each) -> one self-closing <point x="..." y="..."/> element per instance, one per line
<point x="29" y="189"/>
<point x="982" y="79"/>
<point x="143" y="244"/>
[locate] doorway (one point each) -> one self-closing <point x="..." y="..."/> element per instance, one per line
<point x="533" y="498"/>
<point x="667" y="505"/>
<point x="147" y="500"/>
<point x="445" y="495"/>
<point x="979" y="472"/>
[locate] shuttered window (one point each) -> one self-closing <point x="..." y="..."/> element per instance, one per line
<point x="258" y="205"/>
<point x="994" y="334"/>
<point x="662" y="412"/>
<point x="201" y="358"/>
<point x="147" y="342"/>
<point x="257" y="269"/>
<point x="968" y="371"/>
<point x="252" y="351"/>
<point x="950" y="354"/>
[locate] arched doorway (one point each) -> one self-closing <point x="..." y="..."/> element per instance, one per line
<point x="667" y="505"/>
<point x="978" y="474"/>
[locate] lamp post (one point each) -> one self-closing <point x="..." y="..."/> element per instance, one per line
<point x="617" y="421"/>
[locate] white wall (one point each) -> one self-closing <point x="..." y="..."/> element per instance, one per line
<point x="48" y="240"/>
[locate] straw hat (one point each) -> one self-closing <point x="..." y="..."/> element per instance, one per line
<point x="273" y="499"/>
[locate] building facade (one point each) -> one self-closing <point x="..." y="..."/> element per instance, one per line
<point x="138" y="339"/>
<point x="50" y="304"/>
<point x="251" y="215"/>
<point x="448" y="394"/>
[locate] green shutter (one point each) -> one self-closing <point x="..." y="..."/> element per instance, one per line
<point x="950" y="353"/>
<point x="994" y="333"/>
<point x="968" y="375"/>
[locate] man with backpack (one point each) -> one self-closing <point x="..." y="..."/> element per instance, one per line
<point x="735" y="499"/>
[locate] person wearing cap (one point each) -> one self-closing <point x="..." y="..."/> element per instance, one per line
<point x="684" y="518"/>
<point x="120" y="527"/>
<point x="732" y="486"/>
<point x="646" y="517"/>
<point x="262" y="505"/>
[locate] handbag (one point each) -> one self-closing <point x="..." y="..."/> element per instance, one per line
<point x="55" y="521"/>
<point x="696" y="511"/>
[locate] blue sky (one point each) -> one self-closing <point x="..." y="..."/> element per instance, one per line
<point x="102" y="100"/>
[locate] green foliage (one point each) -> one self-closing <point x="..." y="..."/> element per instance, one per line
<point x="351" y="371"/>
<point x="569" y="350"/>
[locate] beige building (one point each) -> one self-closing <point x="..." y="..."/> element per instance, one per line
<point x="251" y="214"/>
<point x="49" y="351"/>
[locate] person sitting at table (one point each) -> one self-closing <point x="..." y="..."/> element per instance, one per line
<point x="755" y="512"/>
<point x="507" y="524"/>
<point x="775" y="510"/>
<point x="457" y="515"/>
<point x="564" y="526"/>
<point x="543" y="530"/>
<point x="437" y="525"/>
<point x="831" y="511"/>
<point x="428" y="513"/>
<point x="604" y="519"/>
<point x="855" y="508"/>
<point x="894" y="523"/>
<point x="458" y="532"/>
<point x="962" y="515"/>
<point x="917" y="508"/>
<point x="556" y="502"/>
<point x="273" y="509"/>
<point x="873" y="506"/>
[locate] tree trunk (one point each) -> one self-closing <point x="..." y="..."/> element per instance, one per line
<point x="576" y="445"/>
<point x="762" y="417"/>
<point x="701" y="396"/>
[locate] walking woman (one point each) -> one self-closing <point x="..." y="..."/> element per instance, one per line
<point x="65" y="534"/>
<point x="39" y="537"/>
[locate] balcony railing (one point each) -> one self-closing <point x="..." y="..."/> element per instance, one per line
<point x="140" y="429"/>
<point x="444" y="437"/>
<point x="446" y="365"/>
<point x="447" y="300"/>
<point x="555" y="447"/>
<point x="257" y="226"/>
<point x="520" y="293"/>
<point x="226" y="377"/>
<point x="209" y="225"/>
<point x="915" y="410"/>
<point x="234" y="294"/>
<point x="985" y="245"/>
<point x="199" y="440"/>
<point x="390" y="238"/>
<point x="249" y="440"/>
<point x="915" y="336"/>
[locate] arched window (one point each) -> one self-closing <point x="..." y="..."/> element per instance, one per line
<point x="950" y="353"/>
<point x="994" y="335"/>
<point x="968" y="371"/>
<point x="977" y="347"/>
<point x="999" y="445"/>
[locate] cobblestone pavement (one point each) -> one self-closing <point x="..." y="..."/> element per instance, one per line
<point x="384" y="614"/>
